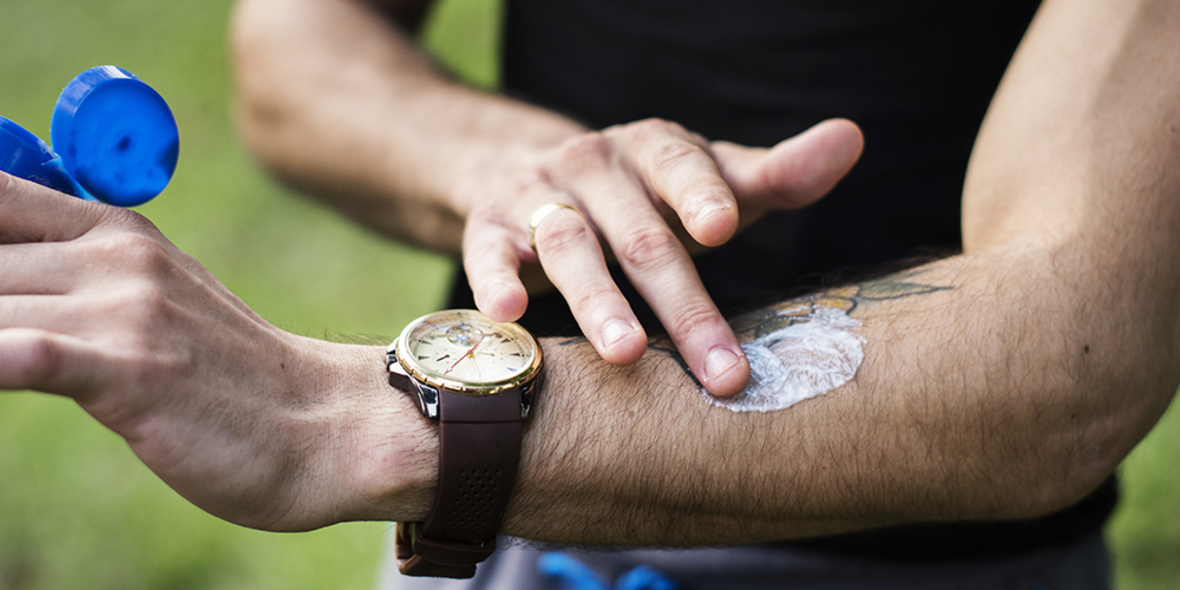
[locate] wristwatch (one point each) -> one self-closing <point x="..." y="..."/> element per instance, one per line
<point x="475" y="377"/>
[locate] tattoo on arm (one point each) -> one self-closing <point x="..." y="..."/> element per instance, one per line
<point x="847" y="299"/>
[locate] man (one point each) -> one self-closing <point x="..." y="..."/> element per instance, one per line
<point x="367" y="122"/>
<point x="1003" y="383"/>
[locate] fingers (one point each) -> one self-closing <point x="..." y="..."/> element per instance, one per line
<point x="666" y="277"/>
<point x="663" y="160"/>
<point x="30" y="212"/>
<point x="46" y="361"/>
<point x="625" y="179"/>
<point x="619" y="178"/>
<point x="493" y="269"/>
<point x="679" y="171"/>
<point x="88" y="316"/>
<point x="797" y="171"/>
<point x="37" y="269"/>
<point x="573" y="260"/>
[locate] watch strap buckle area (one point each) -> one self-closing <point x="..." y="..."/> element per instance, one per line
<point x="419" y="556"/>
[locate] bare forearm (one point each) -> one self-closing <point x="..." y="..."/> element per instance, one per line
<point x="341" y="101"/>
<point x="996" y="385"/>
<point x="984" y="394"/>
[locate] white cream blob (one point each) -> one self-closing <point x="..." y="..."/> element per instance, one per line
<point x="798" y="362"/>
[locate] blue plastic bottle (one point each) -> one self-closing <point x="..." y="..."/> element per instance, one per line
<point x="114" y="140"/>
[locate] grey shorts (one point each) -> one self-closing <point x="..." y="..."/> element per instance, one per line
<point x="1081" y="565"/>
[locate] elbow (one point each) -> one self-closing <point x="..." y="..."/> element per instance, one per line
<point x="260" y="125"/>
<point x="1089" y="449"/>
<point x="248" y="40"/>
<point x="1059" y="481"/>
<point x="1098" y="392"/>
<point x="250" y="99"/>
<point x="1042" y="483"/>
<point x="259" y="112"/>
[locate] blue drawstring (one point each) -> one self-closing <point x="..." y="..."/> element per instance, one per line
<point x="644" y="578"/>
<point x="571" y="574"/>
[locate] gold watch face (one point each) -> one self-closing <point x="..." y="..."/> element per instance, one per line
<point x="463" y="350"/>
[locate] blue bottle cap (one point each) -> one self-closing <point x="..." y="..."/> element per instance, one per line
<point x="24" y="155"/>
<point x="116" y="136"/>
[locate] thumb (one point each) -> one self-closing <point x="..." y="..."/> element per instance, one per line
<point x="797" y="171"/>
<point x="30" y="212"/>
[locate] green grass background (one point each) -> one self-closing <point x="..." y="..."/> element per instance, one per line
<point x="78" y="510"/>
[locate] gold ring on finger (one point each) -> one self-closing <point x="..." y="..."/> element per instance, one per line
<point x="540" y="214"/>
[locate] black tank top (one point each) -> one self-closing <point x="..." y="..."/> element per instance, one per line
<point x="916" y="75"/>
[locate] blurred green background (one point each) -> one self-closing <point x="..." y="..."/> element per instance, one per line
<point x="78" y="510"/>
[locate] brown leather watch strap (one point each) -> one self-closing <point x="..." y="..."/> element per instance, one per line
<point x="479" y="450"/>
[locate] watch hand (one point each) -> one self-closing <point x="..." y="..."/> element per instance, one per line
<point x="469" y="353"/>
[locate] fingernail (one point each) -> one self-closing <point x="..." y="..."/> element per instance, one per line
<point x="708" y="210"/>
<point x="614" y="331"/>
<point x="719" y="361"/>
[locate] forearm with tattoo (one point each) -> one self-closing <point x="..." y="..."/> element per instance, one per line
<point x="637" y="455"/>
<point x="805" y="346"/>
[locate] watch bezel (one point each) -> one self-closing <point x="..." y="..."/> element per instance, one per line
<point x="421" y="374"/>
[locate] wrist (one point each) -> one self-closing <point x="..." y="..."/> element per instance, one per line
<point x="384" y="459"/>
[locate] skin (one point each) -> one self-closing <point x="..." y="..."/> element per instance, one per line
<point x="462" y="171"/>
<point x="1008" y="383"/>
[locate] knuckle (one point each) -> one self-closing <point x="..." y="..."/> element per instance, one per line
<point x="691" y="317"/>
<point x="131" y="250"/>
<point x="672" y="155"/>
<point x="647" y="247"/>
<point x="45" y="359"/>
<point x="145" y="317"/>
<point x="487" y="264"/>
<point x="532" y="176"/>
<point x="13" y="190"/>
<point x="129" y="219"/>
<point x="560" y="233"/>
<point x="481" y="219"/>
<point x="136" y="310"/>
<point x="589" y="150"/>
<point x="595" y="297"/>
<point x="126" y="220"/>
<point x="144" y="299"/>
<point x="654" y="126"/>
<point x="7" y="187"/>
<point x="695" y="138"/>
<point x="704" y="189"/>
